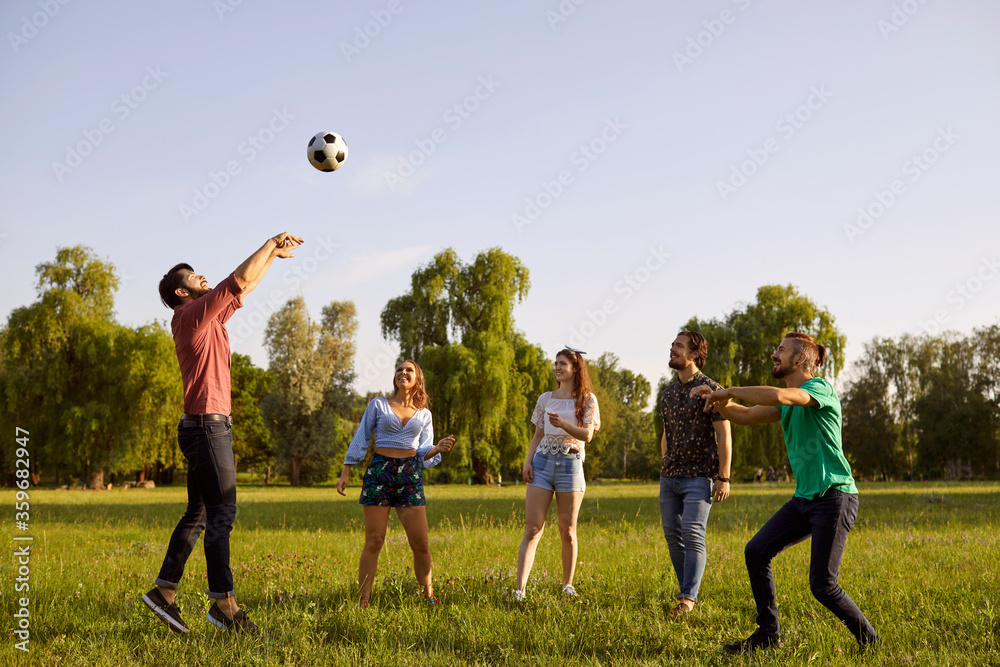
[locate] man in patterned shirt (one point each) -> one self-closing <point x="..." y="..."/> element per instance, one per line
<point x="697" y="452"/>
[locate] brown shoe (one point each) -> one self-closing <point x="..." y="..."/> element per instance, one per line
<point x="683" y="607"/>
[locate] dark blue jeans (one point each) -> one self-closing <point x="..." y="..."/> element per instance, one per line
<point x="211" y="484"/>
<point x="827" y="520"/>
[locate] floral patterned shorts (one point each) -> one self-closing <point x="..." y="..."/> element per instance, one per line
<point x="393" y="483"/>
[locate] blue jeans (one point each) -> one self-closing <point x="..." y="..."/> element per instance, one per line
<point x="211" y="485"/>
<point x="827" y="520"/>
<point x="684" y="506"/>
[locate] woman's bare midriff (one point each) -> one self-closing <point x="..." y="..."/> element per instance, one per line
<point x="390" y="453"/>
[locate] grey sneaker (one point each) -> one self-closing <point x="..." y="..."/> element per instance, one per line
<point x="168" y="613"/>
<point x="240" y="623"/>
<point x="518" y="595"/>
<point x="569" y="591"/>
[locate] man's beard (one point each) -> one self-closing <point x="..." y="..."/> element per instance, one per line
<point x="199" y="291"/>
<point x="778" y="373"/>
<point x="676" y="364"/>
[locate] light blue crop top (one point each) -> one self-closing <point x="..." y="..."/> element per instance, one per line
<point x="418" y="433"/>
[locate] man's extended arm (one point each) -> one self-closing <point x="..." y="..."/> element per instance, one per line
<point x="250" y="272"/>
<point x="740" y="414"/>
<point x="771" y="395"/>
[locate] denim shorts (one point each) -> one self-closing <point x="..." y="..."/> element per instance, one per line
<point x="393" y="482"/>
<point x="555" y="472"/>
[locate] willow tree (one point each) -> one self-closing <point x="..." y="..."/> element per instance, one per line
<point x="70" y="372"/>
<point x="307" y="360"/>
<point x="483" y="376"/>
<point x="739" y="354"/>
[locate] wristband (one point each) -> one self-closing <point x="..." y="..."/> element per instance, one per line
<point x="722" y="479"/>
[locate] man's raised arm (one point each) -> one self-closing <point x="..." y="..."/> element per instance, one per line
<point x="249" y="273"/>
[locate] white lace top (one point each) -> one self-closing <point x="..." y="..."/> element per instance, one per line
<point x="557" y="440"/>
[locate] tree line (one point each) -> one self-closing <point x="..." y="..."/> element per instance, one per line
<point x="101" y="399"/>
<point x="926" y="406"/>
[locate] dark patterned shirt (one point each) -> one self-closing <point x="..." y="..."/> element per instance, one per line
<point x="692" y="450"/>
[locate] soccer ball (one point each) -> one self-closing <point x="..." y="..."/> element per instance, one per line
<point x="327" y="151"/>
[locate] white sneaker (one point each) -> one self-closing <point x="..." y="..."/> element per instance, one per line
<point x="569" y="591"/>
<point x="518" y="595"/>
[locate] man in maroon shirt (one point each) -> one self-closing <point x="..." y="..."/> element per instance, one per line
<point x="204" y="434"/>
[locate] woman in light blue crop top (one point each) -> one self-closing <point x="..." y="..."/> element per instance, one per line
<point x="404" y="435"/>
<point x="565" y="420"/>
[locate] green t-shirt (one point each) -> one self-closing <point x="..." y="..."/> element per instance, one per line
<point x="813" y="440"/>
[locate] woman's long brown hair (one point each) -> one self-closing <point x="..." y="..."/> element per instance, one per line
<point x="583" y="387"/>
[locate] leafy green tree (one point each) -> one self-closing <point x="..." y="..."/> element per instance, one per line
<point x="910" y="363"/>
<point x="987" y="349"/>
<point x="920" y="404"/>
<point x="661" y="386"/>
<point x="482" y="375"/>
<point x="339" y="320"/>
<point x="955" y="419"/>
<point x="307" y="360"/>
<point x="252" y="442"/>
<point x="871" y="433"/>
<point x="53" y="359"/>
<point x="97" y="396"/>
<point x="154" y="390"/>
<point x="625" y="444"/>
<point x="739" y="354"/>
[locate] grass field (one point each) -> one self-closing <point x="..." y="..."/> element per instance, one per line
<point x="923" y="562"/>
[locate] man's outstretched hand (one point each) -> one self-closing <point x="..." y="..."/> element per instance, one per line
<point x="285" y="243"/>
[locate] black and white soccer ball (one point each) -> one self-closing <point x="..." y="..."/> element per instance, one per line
<point x="327" y="151"/>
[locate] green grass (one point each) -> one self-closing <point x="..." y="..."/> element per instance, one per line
<point x="922" y="562"/>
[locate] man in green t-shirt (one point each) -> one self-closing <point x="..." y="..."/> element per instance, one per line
<point x="825" y="503"/>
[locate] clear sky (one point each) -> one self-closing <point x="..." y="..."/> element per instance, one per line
<point x="647" y="161"/>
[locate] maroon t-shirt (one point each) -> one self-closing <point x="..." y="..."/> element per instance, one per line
<point x="202" y="346"/>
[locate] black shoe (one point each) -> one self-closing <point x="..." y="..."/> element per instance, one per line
<point x="757" y="640"/>
<point x="869" y="644"/>
<point x="240" y="623"/>
<point x="168" y="613"/>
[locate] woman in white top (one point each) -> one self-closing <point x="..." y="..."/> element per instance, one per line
<point x="404" y="435"/>
<point x="565" y="420"/>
